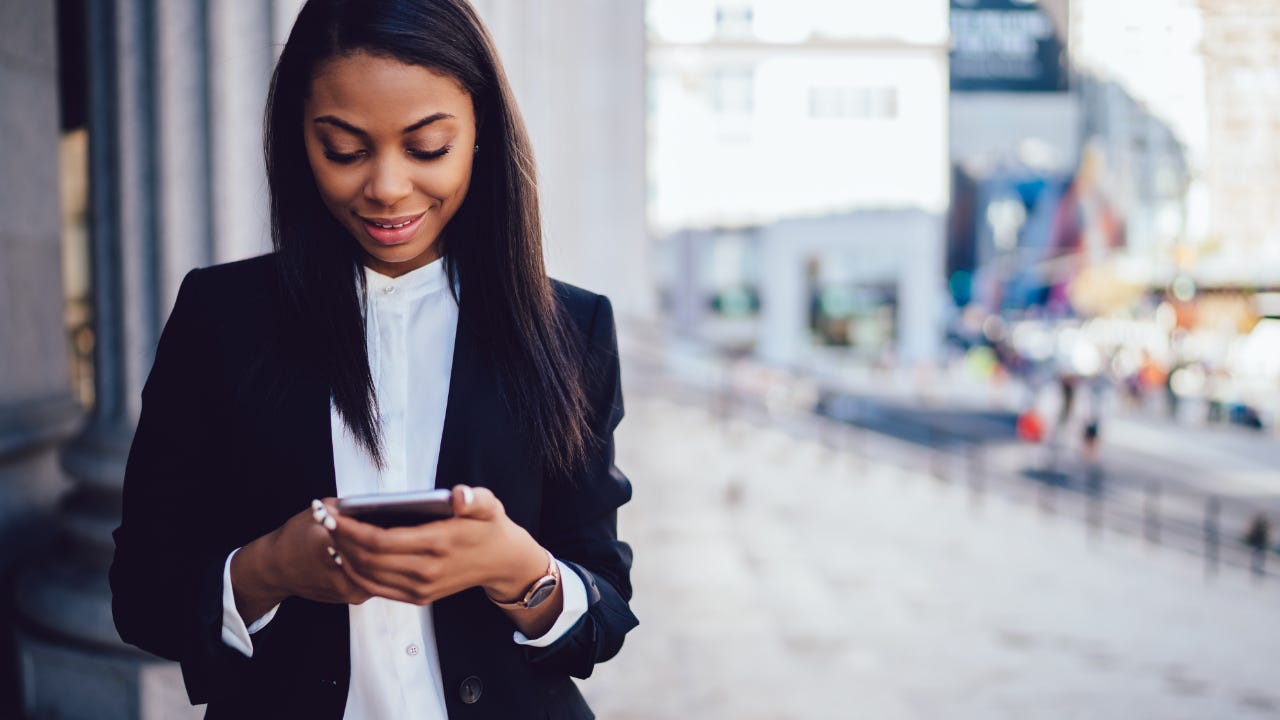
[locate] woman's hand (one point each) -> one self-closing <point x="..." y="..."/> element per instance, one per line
<point x="292" y="560"/>
<point x="479" y="546"/>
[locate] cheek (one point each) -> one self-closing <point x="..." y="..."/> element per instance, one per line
<point x="337" y="185"/>
<point x="450" y="184"/>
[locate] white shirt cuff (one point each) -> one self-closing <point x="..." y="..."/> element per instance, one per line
<point x="575" y="606"/>
<point x="234" y="632"/>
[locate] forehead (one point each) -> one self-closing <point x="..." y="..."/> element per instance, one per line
<point x="379" y="93"/>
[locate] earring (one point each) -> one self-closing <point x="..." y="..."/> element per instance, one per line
<point x="477" y="149"/>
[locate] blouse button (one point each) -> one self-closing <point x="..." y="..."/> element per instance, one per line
<point x="411" y="650"/>
<point x="389" y="290"/>
<point x="470" y="690"/>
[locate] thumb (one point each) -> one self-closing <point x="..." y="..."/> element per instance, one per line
<point x="475" y="503"/>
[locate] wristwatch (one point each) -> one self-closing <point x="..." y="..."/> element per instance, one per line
<point x="541" y="589"/>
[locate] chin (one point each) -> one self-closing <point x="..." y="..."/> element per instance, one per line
<point x="401" y="254"/>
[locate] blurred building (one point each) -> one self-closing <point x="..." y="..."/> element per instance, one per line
<point x="147" y="116"/>
<point x="1242" y="70"/>
<point x="1070" y="189"/>
<point x="797" y="160"/>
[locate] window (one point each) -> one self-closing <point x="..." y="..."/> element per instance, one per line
<point x="732" y="91"/>
<point x="734" y="19"/>
<point x="839" y="102"/>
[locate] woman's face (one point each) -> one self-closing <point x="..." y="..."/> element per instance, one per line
<point x="391" y="149"/>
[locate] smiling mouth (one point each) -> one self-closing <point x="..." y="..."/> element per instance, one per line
<point x="392" y="230"/>
<point x="391" y="223"/>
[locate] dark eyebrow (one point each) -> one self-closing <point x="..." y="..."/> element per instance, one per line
<point x="427" y="121"/>
<point x="331" y="120"/>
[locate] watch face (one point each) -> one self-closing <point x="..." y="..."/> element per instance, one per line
<point x="540" y="593"/>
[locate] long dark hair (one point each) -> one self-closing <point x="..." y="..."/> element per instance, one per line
<point x="492" y="247"/>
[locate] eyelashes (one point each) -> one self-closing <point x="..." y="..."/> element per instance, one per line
<point x="348" y="158"/>
<point x="431" y="154"/>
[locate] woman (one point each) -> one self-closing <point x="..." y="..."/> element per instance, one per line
<point x="403" y="335"/>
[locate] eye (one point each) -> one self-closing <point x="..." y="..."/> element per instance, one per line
<point x="343" y="158"/>
<point x="431" y="154"/>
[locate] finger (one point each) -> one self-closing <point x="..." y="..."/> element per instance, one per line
<point x="476" y="502"/>
<point x="324" y="512"/>
<point x="373" y="587"/>
<point x="366" y="535"/>
<point x="334" y="555"/>
<point x="408" y="575"/>
<point x="412" y="558"/>
<point x="462" y="499"/>
<point x="348" y="592"/>
<point x="429" y="538"/>
<point x="398" y="570"/>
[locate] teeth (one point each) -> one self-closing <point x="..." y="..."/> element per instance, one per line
<point x="393" y="227"/>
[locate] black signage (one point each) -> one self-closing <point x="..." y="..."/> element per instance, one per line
<point x="1005" y="46"/>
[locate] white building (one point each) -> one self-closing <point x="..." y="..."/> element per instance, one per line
<point x="769" y="110"/>
<point x="1242" y="71"/>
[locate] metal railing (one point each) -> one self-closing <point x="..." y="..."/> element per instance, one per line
<point x="1204" y="525"/>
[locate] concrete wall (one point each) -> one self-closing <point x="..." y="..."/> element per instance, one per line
<point x="578" y="71"/>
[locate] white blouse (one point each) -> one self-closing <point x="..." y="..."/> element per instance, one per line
<point x="411" y="322"/>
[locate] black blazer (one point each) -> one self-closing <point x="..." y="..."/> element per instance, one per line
<point x="234" y="438"/>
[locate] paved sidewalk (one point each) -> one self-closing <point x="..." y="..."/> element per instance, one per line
<point x="817" y="584"/>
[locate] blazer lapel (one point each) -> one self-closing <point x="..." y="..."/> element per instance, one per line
<point x="481" y="444"/>
<point x="466" y="382"/>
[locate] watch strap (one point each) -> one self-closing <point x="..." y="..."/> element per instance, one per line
<point x="536" y="593"/>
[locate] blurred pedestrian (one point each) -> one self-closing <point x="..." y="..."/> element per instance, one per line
<point x="1030" y="427"/>
<point x="1089" y="454"/>
<point x="1258" y="537"/>
<point x="403" y="335"/>
<point x="1066" y="386"/>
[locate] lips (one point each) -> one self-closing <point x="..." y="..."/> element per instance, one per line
<point x="392" y="230"/>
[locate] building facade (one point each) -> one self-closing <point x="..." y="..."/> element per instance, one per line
<point x="768" y="112"/>
<point x="1241" y="49"/>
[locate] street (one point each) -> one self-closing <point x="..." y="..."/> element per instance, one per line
<point x="777" y="577"/>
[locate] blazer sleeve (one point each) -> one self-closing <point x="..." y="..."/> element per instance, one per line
<point x="166" y="574"/>
<point x="580" y="520"/>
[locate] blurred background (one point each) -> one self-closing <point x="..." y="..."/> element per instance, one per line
<point x="950" y="331"/>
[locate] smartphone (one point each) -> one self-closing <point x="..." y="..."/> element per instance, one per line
<point x="390" y="510"/>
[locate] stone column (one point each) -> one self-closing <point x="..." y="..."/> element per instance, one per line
<point x="36" y="407"/>
<point x="73" y="664"/>
<point x="176" y="92"/>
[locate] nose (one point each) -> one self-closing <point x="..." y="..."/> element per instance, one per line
<point x="390" y="182"/>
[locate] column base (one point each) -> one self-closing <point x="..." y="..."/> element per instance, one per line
<point x="60" y="680"/>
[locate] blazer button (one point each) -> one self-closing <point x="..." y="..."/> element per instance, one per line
<point x="470" y="690"/>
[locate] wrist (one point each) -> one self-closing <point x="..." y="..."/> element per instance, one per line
<point x="528" y="564"/>
<point x="255" y="576"/>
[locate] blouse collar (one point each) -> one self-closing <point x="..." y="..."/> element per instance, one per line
<point x="427" y="279"/>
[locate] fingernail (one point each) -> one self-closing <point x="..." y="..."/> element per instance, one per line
<point x="322" y="516"/>
<point x="467" y="496"/>
<point x="337" y="559"/>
